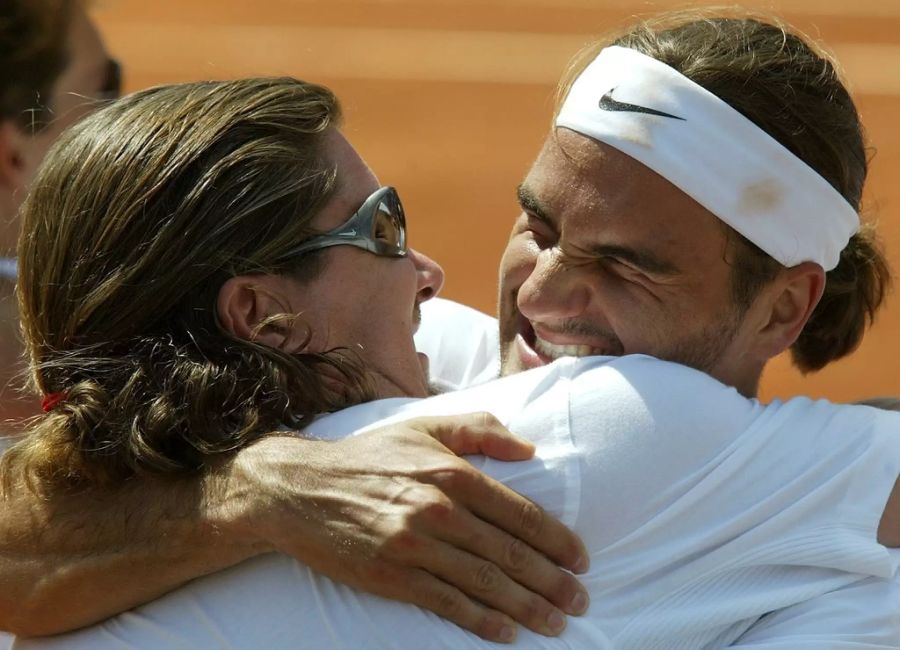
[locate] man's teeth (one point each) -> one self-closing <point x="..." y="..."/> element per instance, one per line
<point x="554" y="351"/>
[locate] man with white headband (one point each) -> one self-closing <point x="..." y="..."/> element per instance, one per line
<point x="622" y="247"/>
<point x="650" y="207"/>
<point x="698" y="200"/>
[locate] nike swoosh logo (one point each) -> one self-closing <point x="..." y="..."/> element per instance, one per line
<point x="607" y="103"/>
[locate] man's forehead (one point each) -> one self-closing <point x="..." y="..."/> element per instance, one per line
<point x="577" y="149"/>
<point x="573" y="169"/>
<point x="567" y="157"/>
<point x="596" y="194"/>
<point x="562" y="175"/>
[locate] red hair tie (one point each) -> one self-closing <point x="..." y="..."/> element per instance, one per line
<point x="51" y="400"/>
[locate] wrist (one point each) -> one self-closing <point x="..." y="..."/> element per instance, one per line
<point x="260" y="489"/>
<point x="234" y="512"/>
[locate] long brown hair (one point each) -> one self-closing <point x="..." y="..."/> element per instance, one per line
<point x="791" y="90"/>
<point x="137" y="217"/>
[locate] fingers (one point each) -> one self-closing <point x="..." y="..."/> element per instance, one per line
<point x="429" y="592"/>
<point x="475" y="433"/>
<point x="480" y="552"/>
<point x="487" y="563"/>
<point x="485" y="582"/>
<point x="491" y="500"/>
<point x="532" y="572"/>
<point x="509" y="511"/>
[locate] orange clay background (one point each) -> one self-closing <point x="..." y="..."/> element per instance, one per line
<point x="450" y="100"/>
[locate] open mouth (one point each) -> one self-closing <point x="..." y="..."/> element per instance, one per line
<point x="554" y="351"/>
<point x="536" y="351"/>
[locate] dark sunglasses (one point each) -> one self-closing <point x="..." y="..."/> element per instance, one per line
<point x="379" y="226"/>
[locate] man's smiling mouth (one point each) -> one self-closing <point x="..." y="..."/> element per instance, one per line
<point x="555" y="351"/>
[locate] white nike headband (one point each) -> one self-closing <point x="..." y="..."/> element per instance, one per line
<point x="712" y="153"/>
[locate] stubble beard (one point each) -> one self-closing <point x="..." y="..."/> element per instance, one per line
<point x="705" y="349"/>
<point x="702" y="350"/>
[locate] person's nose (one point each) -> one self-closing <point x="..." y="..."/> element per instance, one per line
<point x="555" y="289"/>
<point x="429" y="275"/>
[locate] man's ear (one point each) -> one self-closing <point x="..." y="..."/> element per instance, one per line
<point x="12" y="155"/>
<point x="788" y="303"/>
<point x="245" y="306"/>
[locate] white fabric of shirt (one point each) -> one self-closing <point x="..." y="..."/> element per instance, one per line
<point x="462" y="344"/>
<point x="703" y="511"/>
<point x="861" y="615"/>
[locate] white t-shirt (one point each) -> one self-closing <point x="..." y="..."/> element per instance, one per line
<point x="702" y="510"/>
<point x="462" y="344"/>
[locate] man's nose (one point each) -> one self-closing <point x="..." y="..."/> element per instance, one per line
<point x="555" y="289"/>
<point x="429" y="275"/>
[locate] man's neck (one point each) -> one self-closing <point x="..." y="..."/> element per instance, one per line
<point x="739" y="374"/>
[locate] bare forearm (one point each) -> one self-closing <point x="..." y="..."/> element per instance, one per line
<point x="383" y="511"/>
<point x="75" y="559"/>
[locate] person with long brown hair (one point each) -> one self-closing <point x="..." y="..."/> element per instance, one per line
<point x="179" y="306"/>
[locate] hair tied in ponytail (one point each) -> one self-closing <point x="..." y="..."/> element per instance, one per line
<point x="51" y="400"/>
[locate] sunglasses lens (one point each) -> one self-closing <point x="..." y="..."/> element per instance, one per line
<point x="387" y="225"/>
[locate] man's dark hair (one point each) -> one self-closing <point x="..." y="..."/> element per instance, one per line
<point x="781" y="83"/>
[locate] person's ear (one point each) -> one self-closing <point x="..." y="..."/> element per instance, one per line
<point x="246" y="306"/>
<point x="788" y="304"/>
<point x="13" y="142"/>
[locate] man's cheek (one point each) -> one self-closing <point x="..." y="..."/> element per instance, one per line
<point x="516" y="265"/>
